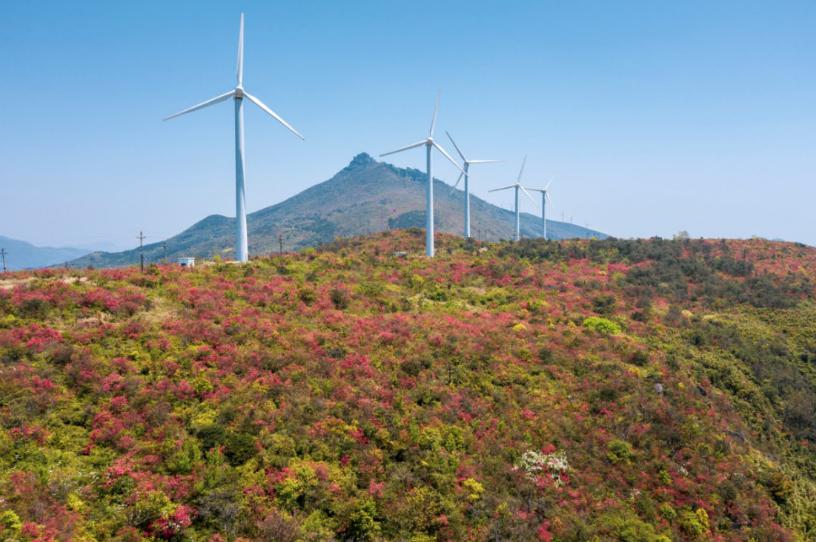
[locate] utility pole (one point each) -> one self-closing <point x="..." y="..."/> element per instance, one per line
<point x="164" y="246"/>
<point x="141" y="239"/>
<point x="280" y="243"/>
<point x="3" y="254"/>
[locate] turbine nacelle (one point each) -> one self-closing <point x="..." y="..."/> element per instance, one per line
<point x="467" y="163"/>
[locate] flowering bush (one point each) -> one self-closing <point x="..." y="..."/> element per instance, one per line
<point x="535" y="464"/>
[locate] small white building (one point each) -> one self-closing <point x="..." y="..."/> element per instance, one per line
<point x="186" y="261"/>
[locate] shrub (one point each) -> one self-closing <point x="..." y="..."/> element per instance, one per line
<point x="545" y="355"/>
<point x="340" y="298"/>
<point x="239" y="448"/>
<point x="694" y="523"/>
<point x="278" y="526"/>
<point x="10" y="522"/>
<point x="363" y="526"/>
<point x="413" y="367"/>
<point x="474" y="488"/>
<point x="639" y="358"/>
<point x="307" y="295"/>
<point x="619" y="451"/>
<point x="604" y="305"/>
<point x="602" y="325"/>
<point x="626" y="527"/>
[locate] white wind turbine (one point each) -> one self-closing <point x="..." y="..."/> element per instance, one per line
<point x="429" y="211"/>
<point x="517" y="186"/>
<point x="238" y="94"/>
<point x="467" y="163"/>
<point x="545" y="197"/>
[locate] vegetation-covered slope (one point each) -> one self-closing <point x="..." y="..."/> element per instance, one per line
<point x="551" y="391"/>
<point x="364" y="197"/>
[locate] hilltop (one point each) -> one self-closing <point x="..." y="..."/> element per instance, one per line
<point x="637" y="391"/>
<point x="366" y="196"/>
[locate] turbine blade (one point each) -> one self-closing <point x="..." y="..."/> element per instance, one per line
<point x="548" y="186"/>
<point x="483" y="161"/>
<point x="453" y="188"/>
<point x="274" y="115"/>
<point x="433" y="119"/>
<point x="448" y="156"/>
<point x="521" y="171"/>
<point x="455" y="146"/>
<point x="240" y="63"/>
<point x="502" y="188"/>
<point x="202" y="105"/>
<point x="547" y="195"/>
<point x="527" y="193"/>
<point x="406" y="147"/>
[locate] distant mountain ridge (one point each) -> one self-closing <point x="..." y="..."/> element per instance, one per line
<point x="24" y="255"/>
<point x="366" y="196"/>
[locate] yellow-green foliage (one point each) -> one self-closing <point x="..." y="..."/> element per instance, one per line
<point x="602" y="325"/>
<point x="474" y="488"/>
<point x="695" y="523"/>
<point x="619" y="451"/>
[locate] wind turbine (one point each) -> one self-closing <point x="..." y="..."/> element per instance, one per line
<point x="429" y="211"/>
<point x="545" y="197"/>
<point x="464" y="174"/>
<point x="238" y="94"/>
<point x="517" y="186"/>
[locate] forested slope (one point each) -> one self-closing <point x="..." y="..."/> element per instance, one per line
<point x="554" y="391"/>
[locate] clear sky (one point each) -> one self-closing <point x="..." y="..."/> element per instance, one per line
<point x="650" y="117"/>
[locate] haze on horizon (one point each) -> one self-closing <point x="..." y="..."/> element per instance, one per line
<point x="649" y="118"/>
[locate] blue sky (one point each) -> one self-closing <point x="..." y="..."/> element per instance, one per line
<point x="649" y="117"/>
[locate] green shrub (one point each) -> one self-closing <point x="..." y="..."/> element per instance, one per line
<point x="363" y="525"/>
<point x="307" y="295"/>
<point x="639" y="358"/>
<point x="11" y="522"/>
<point x="340" y="298"/>
<point x="602" y="325"/>
<point x="619" y="451"/>
<point x="627" y="527"/>
<point x="184" y="458"/>
<point x="694" y="523"/>
<point x="667" y="511"/>
<point x="239" y="448"/>
<point x="604" y="305"/>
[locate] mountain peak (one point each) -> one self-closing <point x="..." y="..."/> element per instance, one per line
<point x="364" y="197"/>
<point x="361" y="160"/>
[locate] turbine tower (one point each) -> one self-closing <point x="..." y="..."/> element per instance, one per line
<point x="467" y="163"/>
<point x="238" y="94"/>
<point x="429" y="144"/>
<point x="517" y="186"/>
<point x="545" y="197"/>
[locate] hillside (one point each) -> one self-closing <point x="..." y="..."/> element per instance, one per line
<point x="23" y="255"/>
<point x="365" y="197"/>
<point x="635" y="391"/>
